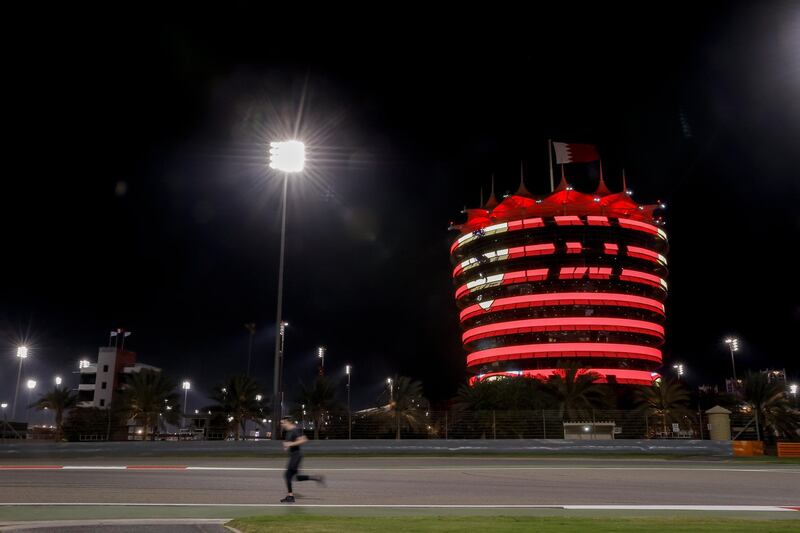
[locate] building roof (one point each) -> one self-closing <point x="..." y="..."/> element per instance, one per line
<point x="564" y="200"/>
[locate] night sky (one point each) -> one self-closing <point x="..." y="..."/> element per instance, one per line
<point x="136" y="192"/>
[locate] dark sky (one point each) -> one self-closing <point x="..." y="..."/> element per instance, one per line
<point x="136" y="194"/>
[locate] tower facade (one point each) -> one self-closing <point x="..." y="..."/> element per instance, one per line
<point x="570" y="276"/>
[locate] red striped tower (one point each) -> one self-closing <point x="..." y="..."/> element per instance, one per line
<point x="567" y="276"/>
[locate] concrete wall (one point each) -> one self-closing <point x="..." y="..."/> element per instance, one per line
<point x="471" y="447"/>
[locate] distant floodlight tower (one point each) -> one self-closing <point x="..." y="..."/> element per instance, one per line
<point x="287" y="157"/>
<point x="321" y="354"/>
<point x="733" y="346"/>
<point x="22" y="354"/>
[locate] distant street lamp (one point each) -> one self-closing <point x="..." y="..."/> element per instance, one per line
<point x="58" y="380"/>
<point x="321" y="355"/>
<point x="186" y="386"/>
<point x="22" y="354"/>
<point x="347" y="369"/>
<point x="733" y="345"/>
<point x="31" y="385"/>
<point x="391" y="390"/>
<point x="286" y="157"/>
<point x="4" y="405"/>
<point x="793" y="392"/>
<point x="679" y="369"/>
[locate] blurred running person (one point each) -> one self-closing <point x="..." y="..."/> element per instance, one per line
<point x="294" y="439"/>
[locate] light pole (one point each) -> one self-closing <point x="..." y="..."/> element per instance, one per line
<point x="22" y="354"/>
<point x="186" y="385"/>
<point x="284" y="325"/>
<point x="793" y="392"/>
<point x="4" y="406"/>
<point x="321" y="355"/>
<point x="58" y="380"/>
<point x="31" y="385"/>
<point x="391" y="390"/>
<point x="679" y="369"/>
<point x="347" y="369"/>
<point x="286" y="157"/>
<point x="733" y="345"/>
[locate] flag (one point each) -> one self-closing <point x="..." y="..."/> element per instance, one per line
<point x="113" y="333"/>
<point x="127" y="333"/>
<point x="575" y="153"/>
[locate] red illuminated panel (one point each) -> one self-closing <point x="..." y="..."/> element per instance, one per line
<point x="610" y="248"/>
<point x="642" y="277"/>
<point x="620" y="375"/>
<point x="644" y="253"/>
<point x="563" y="324"/>
<point x="569" y="220"/>
<point x="508" y="278"/>
<point x="640" y="226"/>
<point x="599" y="272"/>
<point x="564" y="298"/>
<point x="564" y="349"/>
<point x="574" y="247"/>
<point x="536" y="222"/>
<point x="572" y="272"/>
<point x="514" y="225"/>
<point x="597" y="221"/>
<point x="509" y="253"/>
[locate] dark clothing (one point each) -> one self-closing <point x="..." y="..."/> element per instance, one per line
<point x="291" y="436"/>
<point x="291" y="470"/>
<point x="295" y="457"/>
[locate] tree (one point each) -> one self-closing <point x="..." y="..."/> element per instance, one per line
<point x="150" y="397"/>
<point x="320" y="401"/>
<point x="771" y="406"/>
<point x="238" y="399"/>
<point x="575" y="392"/>
<point x="407" y="405"/>
<point x="59" y="400"/>
<point x="666" y="399"/>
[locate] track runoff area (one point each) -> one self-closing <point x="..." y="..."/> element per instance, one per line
<point x="196" y="488"/>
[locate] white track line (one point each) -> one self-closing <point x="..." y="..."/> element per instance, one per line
<point x="173" y="468"/>
<point x="754" y="508"/>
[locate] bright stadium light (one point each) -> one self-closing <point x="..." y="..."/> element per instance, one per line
<point x="22" y="352"/>
<point x="733" y="346"/>
<point x="287" y="156"/>
<point x="58" y="380"/>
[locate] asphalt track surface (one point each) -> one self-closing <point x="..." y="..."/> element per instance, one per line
<point x="404" y="481"/>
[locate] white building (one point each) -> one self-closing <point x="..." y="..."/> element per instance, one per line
<point x="100" y="382"/>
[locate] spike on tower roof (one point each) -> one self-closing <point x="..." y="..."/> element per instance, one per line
<point x="492" y="201"/>
<point x="522" y="190"/>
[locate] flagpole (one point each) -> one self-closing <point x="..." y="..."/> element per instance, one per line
<point x="550" y="163"/>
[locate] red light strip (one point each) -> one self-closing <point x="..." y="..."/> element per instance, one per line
<point x="623" y="376"/>
<point x="564" y="298"/>
<point x="610" y="248"/>
<point x="564" y="349"/>
<point x="635" y="224"/>
<point x="642" y="277"/>
<point x="597" y="221"/>
<point x="530" y="250"/>
<point x="644" y="253"/>
<point x="538" y="222"/>
<point x="531" y="325"/>
<point x="568" y="220"/>
<point x="523" y="276"/>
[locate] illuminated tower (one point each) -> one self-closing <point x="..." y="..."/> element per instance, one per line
<point x="565" y="277"/>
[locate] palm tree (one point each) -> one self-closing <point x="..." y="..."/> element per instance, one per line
<point x="150" y="397"/>
<point x="406" y="405"/>
<point x="666" y="399"/>
<point x="58" y="400"/>
<point x="771" y="406"/>
<point x="320" y="400"/>
<point x="575" y="392"/>
<point x="238" y="400"/>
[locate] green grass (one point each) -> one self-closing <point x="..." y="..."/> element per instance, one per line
<point x="542" y="524"/>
